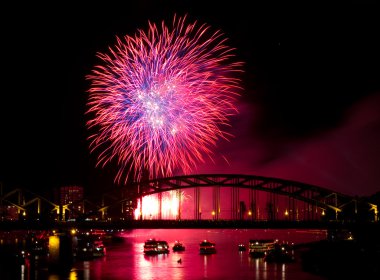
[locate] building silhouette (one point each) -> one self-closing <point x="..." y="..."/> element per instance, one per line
<point x="71" y="201"/>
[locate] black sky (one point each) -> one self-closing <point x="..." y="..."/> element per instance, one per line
<point x="308" y="67"/>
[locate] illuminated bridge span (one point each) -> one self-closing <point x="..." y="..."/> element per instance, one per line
<point x="249" y="197"/>
<point x="198" y="197"/>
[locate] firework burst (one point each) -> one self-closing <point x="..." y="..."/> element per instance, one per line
<point x="161" y="99"/>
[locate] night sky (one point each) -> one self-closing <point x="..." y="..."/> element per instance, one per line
<point x="309" y="110"/>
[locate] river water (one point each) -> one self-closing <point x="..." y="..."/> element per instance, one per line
<point x="125" y="259"/>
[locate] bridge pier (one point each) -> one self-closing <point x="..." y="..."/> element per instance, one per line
<point x="179" y="196"/>
<point x="160" y="206"/>
<point x="234" y="203"/>
<point x="216" y="202"/>
<point x="197" y="204"/>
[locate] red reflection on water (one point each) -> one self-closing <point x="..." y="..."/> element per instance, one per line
<point x="126" y="260"/>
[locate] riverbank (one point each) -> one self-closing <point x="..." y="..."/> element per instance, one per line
<point x="186" y="224"/>
<point x="355" y="255"/>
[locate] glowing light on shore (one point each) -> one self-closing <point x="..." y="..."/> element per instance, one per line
<point x="170" y="206"/>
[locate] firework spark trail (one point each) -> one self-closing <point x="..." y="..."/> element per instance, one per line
<point x="161" y="99"/>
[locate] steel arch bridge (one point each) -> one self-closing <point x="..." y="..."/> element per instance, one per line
<point x="318" y="197"/>
<point x="314" y="197"/>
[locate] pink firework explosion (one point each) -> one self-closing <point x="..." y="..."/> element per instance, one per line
<point x="160" y="99"/>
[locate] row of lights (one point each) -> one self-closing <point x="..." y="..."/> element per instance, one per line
<point x="286" y="213"/>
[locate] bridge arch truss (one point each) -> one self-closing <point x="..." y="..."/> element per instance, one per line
<point x="323" y="199"/>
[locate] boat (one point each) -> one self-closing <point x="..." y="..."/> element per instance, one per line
<point x="281" y="253"/>
<point x="178" y="247"/>
<point x="88" y="247"/>
<point x="153" y="247"/>
<point x="207" y="247"/>
<point x="99" y="249"/>
<point x="241" y="247"/>
<point x="258" y="248"/>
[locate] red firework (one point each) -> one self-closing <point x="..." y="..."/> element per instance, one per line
<point x="161" y="99"/>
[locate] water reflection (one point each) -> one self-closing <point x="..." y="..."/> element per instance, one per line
<point x="86" y="270"/>
<point x="283" y="270"/>
<point x="205" y="266"/>
<point x="22" y="272"/>
<point x="127" y="261"/>
<point x="257" y="268"/>
<point x="73" y="275"/>
<point x="146" y="268"/>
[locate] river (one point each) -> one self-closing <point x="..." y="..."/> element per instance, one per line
<point x="125" y="259"/>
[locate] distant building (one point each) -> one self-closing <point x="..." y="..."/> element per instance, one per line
<point x="71" y="198"/>
<point x="9" y="213"/>
<point x="129" y="208"/>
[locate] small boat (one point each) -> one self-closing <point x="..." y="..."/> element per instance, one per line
<point x="207" y="247"/>
<point x="99" y="249"/>
<point x="260" y="247"/>
<point x="281" y="253"/>
<point x="178" y="246"/>
<point x="241" y="247"/>
<point x="88" y="247"/>
<point x="153" y="246"/>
